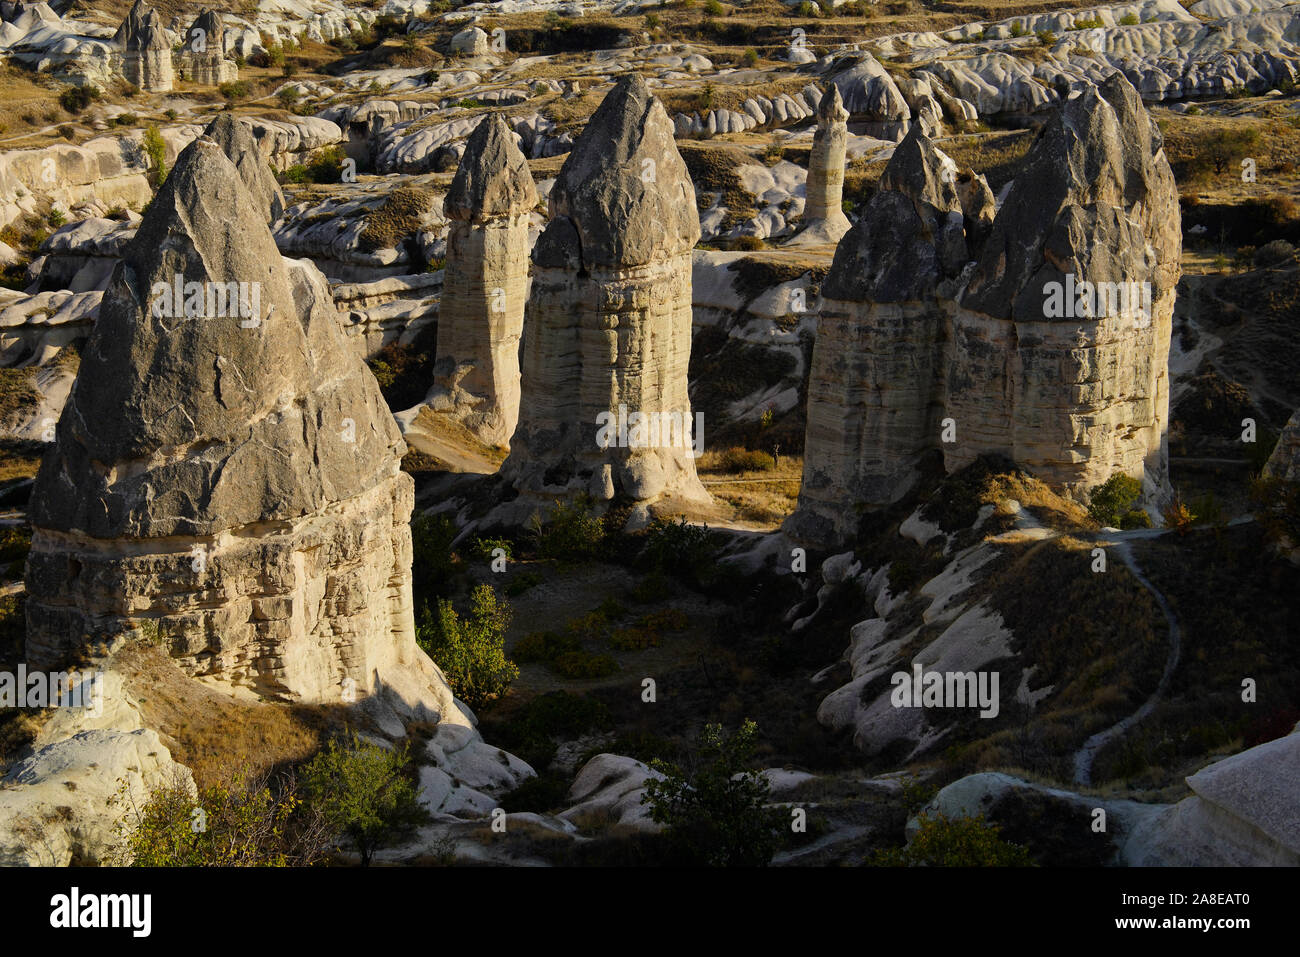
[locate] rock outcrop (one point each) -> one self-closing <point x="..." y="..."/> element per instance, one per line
<point x="1046" y="342"/>
<point x="225" y="477"/>
<point x="203" y="51"/>
<point x="146" y="50"/>
<point x="605" y="408"/>
<point x="823" y="211"/>
<point x="485" y="286"/>
<point x="238" y="143"/>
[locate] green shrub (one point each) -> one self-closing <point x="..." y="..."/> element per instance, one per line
<point x="74" y="99"/>
<point x="1129" y="19"/>
<point x="156" y="150"/>
<point x="956" y="842"/>
<point x="471" y="650"/>
<point x="583" y="664"/>
<point x="56" y="218"/>
<point x="296" y="174"/>
<point x="1110" y="502"/>
<point x="544" y="646"/>
<point x="714" y="811"/>
<point x="521" y="583"/>
<point x="484" y="547"/>
<point x="363" y="791"/>
<point x="749" y="58"/>
<point x="246" y="823"/>
<point x="746" y="460"/>
<point x="681" y="549"/>
<point x="235" y="91"/>
<point x="539" y="794"/>
<point x="571" y="532"/>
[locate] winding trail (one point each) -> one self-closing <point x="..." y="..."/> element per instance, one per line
<point x="1084" y="757"/>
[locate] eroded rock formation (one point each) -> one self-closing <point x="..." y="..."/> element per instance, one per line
<point x="203" y="51"/>
<point x="238" y="143"/>
<point x="225" y="474"/>
<point x="1041" y="335"/>
<point x="605" y="408"/>
<point x="823" y="211"/>
<point x="485" y="286"/>
<point x="146" y="51"/>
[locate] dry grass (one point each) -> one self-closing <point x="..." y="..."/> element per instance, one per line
<point x="213" y="733"/>
<point x="397" y="218"/>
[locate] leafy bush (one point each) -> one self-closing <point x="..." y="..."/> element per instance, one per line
<point x="714" y="810"/>
<point x="544" y="646"/>
<point x="958" y="842"/>
<point x="583" y="664"/>
<point x="571" y="532"/>
<point x="681" y="549"/>
<point x="235" y="91"/>
<point x="1178" y="516"/>
<point x="1128" y="20"/>
<point x="156" y="150"/>
<point x="471" y="650"/>
<point x="1110" y="503"/>
<point x="521" y="583"/>
<point x="745" y="460"/>
<point x="749" y="58"/>
<point x="362" y="791"/>
<point x="244" y="823"/>
<point x="76" y="98"/>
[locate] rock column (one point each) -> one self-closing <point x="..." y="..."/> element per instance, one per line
<point x="146" y="52"/>
<point x="485" y="289"/>
<point x="608" y="339"/>
<point x="823" y="211"/>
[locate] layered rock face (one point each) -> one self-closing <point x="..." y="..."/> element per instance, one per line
<point x="1041" y="333"/>
<point x="203" y="51"/>
<point x="823" y="212"/>
<point x="485" y="286"/>
<point x="1071" y="304"/>
<point x="146" y="51"/>
<point x="605" y="407"/>
<point x="225" y="473"/>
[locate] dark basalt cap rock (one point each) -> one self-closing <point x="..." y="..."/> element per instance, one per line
<point x="193" y="424"/>
<point x="1093" y="197"/>
<point x="909" y="237"/>
<point x="624" y="187"/>
<point x="493" y="177"/>
<point x="237" y="142"/>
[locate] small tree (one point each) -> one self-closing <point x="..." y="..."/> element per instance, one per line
<point x="715" y="810"/>
<point x="156" y="150"/>
<point x="1111" y="502"/>
<point x="471" y="650"/>
<point x="362" y="791"/>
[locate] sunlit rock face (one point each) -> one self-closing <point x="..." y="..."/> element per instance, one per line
<point x="1060" y="342"/>
<point x="146" y="51"/>
<point x="605" y="408"/>
<point x="225" y="476"/>
<point x="1040" y="334"/>
<point x="203" y="51"/>
<point x="823" y="212"/>
<point x="485" y="289"/>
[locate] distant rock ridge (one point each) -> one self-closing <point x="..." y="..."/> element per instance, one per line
<point x="485" y="286"/>
<point x="608" y="335"/>
<point x="1041" y="333"/>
